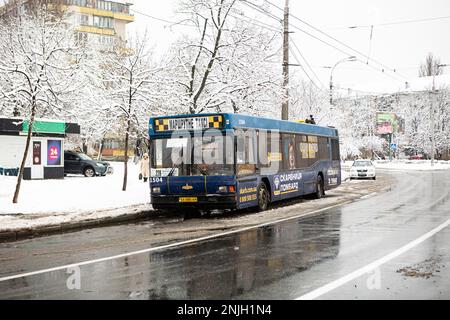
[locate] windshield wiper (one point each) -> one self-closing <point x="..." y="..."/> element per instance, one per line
<point x="202" y="171"/>
<point x="173" y="169"/>
<point x="176" y="165"/>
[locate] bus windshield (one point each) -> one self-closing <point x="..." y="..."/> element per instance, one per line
<point x="197" y="156"/>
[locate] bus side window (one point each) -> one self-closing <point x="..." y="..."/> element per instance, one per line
<point x="289" y="158"/>
<point x="246" y="155"/>
<point x="263" y="148"/>
<point x="335" y="149"/>
<point x="324" y="149"/>
<point x="302" y="151"/>
<point x="274" y="152"/>
<point x="313" y="150"/>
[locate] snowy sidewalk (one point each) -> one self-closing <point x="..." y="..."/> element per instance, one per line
<point x="72" y="200"/>
<point x="405" y="165"/>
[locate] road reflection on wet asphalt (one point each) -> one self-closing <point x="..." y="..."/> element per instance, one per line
<point x="283" y="260"/>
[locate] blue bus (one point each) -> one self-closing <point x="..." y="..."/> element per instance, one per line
<point x="232" y="161"/>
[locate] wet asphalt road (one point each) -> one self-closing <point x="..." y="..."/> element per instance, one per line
<point x="280" y="261"/>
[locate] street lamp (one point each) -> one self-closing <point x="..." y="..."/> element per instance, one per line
<point x="433" y="138"/>
<point x="348" y="59"/>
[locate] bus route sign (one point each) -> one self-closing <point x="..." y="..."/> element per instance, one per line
<point x="191" y="123"/>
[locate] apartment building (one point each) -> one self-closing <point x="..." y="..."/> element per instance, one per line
<point x="101" y="23"/>
<point x="97" y="22"/>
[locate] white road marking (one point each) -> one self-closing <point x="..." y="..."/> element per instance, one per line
<point x="370" y="267"/>
<point x="369" y="196"/>
<point x="177" y="244"/>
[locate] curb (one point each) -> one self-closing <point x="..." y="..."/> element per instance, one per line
<point x="45" y="230"/>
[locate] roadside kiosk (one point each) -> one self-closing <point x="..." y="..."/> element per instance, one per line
<point x="45" y="158"/>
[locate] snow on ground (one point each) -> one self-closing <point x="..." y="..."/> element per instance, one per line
<point x="74" y="193"/>
<point x="77" y="199"/>
<point x="345" y="174"/>
<point x="78" y="194"/>
<point x="418" y="165"/>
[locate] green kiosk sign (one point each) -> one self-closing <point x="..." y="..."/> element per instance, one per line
<point x="41" y="126"/>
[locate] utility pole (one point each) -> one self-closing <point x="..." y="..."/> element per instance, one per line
<point x="390" y="147"/>
<point x="433" y="141"/>
<point x="285" y="105"/>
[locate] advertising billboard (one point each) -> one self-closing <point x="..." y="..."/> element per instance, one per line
<point x="37" y="153"/>
<point x="54" y="152"/>
<point x="387" y="123"/>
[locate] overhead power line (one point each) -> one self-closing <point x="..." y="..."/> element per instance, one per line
<point x="344" y="52"/>
<point x="412" y="21"/>
<point x="396" y="23"/>
<point x="330" y="45"/>
<point x="240" y="15"/>
<point x="337" y="41"/>
<point x="171" y="23"/>
<point x="304" y="70"/>
<point x="151" y="17"/>
<point x="261" y="10"/>
<point x="306" y="62"/>
<point x="274" y="29"/>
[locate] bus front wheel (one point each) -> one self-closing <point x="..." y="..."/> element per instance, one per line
<point x="263" y="197"/>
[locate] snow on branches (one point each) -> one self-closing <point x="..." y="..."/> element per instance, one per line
<point x="223" y="65"/>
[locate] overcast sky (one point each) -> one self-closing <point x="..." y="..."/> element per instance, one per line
<point x="398" y="46"/>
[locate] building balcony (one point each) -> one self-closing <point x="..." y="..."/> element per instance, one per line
<point x="96" y="30"/>
<point x="104" y="13"/>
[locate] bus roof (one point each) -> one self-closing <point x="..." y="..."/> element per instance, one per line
<point x="163" y="126"/>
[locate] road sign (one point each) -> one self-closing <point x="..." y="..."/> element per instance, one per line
<point x="393" y="146"/>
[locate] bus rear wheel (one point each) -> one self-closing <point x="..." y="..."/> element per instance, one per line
<point x="263" y="197"/>
<point x="320" y="191"/>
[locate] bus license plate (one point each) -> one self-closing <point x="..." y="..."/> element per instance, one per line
<point x="189" y="199"/>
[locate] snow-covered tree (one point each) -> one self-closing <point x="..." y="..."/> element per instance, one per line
<point x="39" y="70"/>
<point x="417" y="110"/>
<point x="247" y="80"/>
<point x="128" y="78"/>
<point x="307" y="99"/>
<point x="430" y="67"/>
<point x="198" y="54"/>
<point x="357" y="123"/>
<point x="223" y="64"/>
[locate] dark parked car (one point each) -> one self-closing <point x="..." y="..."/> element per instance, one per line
<point x="80" y="163"/>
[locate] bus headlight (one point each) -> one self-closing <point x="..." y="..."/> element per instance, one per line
<point x="156" y="190"/>
<point x="227" y="189"/>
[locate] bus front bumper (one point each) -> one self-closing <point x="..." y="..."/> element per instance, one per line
<point x="194" y="201"/>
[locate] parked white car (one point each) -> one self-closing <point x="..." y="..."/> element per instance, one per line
<point x="363" y="169"/>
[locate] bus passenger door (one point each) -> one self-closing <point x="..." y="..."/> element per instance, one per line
<point x="246" y="159"/>
<point x="247" y="192"/>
